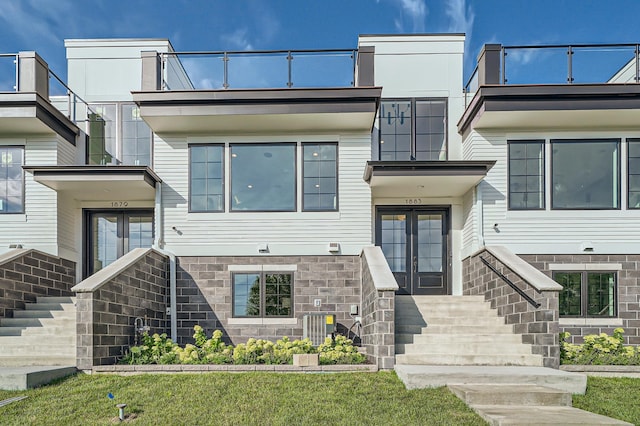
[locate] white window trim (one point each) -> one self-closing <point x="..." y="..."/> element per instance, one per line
<point x="576" y="267"/>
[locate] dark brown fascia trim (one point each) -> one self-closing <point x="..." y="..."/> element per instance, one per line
<point x="427" y="168"/>
<point x="550" y="97"/>
<point x="47" y="113"/>
<point x="260" y="96"/>
<point x="52" y="171"/>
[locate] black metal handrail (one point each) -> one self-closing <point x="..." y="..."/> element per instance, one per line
<point x="518" y="290"/>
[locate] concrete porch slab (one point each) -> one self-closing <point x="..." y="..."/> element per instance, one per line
<point x="21" y="378"/>
<point x="427" y="376"/>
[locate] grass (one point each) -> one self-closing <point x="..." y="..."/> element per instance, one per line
<point x="238" y="399"/>
<point x="613" y="397"/>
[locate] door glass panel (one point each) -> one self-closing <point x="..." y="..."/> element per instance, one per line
<point x="429" y="242"/>
<point x="140" y="232"/>
<point x="393" y="241"/>
<point x="105" y="240"/>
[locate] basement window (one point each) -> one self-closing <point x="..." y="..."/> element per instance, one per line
<point x="587" y="294"/>
<point x="262" y="294"/>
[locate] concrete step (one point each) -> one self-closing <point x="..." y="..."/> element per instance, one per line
<point x="22" y="378"/>
<point x="531" y="395"/>
<point x="55" y="299"/>
<point x="458" y="321"/>
<point x="454" y="309"/>
<point x="36" y="322"/>
<point x="50" y="307"/>
<point x="487" y="359"/>
<point x="431" y="376"/>
<point x="40" y="350"/>
<point x="451" y="347"/>
<point x="68" y="339"/>
<point x="454" y="329"/>
<point x="38" y="331"/>
<point x="44" y="314"/>
<point x="439" y="299"/>
<point x="437" y="339"/>
<point x="502" y="415"/>
<point x="31" y="360"/>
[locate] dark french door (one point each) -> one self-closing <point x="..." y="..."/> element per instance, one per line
<point x="415" y="244"/>
<point x="110" y="234"/>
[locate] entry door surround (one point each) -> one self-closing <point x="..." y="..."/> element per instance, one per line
<point x="416" y="244"/>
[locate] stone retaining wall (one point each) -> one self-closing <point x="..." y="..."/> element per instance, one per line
<point x="109" y="301"/>
<point x="538" y="326"/>
<point x="27" y="274"/>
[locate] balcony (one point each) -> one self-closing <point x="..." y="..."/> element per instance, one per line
<point x="560" y="87"/>
<point x="263" y="91"/>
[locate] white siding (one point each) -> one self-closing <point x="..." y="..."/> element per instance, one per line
<point x="469" y="231"/>
<point x="37" y="227"/>
<point x="550" y="231"/>
<point x="291" y="233"/>
<point x="66" y="153"/>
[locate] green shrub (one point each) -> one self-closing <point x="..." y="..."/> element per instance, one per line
<point x="599" y="349"/>
<point x="339" y="351"/>
<point x="158" y="349"/>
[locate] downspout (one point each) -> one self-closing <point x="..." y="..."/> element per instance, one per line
<point x="158" y="242"/>
<point x="477" y="193"/>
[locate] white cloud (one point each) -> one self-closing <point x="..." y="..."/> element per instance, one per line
<point x="415" y="10"/>
<point x="461" y="17"/>
<point x="37" y="20"/>
<point x="237" y="40"/>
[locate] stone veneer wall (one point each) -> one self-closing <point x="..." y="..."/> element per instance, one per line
<point x="204" y="295"/>
<point x="27" y="274"/>
<point x="136" y="285"/>
<point x="378" y="304"/>
<point x="538" y="326"/>
<point x="628" y="293"/>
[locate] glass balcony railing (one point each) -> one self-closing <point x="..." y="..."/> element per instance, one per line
<point x="258" y="69"/>
<point x="8" y="72"/>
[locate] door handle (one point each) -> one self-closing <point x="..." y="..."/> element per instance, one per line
<point x="415" y="263"/>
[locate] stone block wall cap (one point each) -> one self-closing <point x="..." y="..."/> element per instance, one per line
<point x="528" y="273"/>
<point x="383" y="279"/>
<point x="104" y="275"/>
<point x="16" y="253"/>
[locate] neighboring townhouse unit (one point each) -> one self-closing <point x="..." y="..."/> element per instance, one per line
<point x="266" y="193"/>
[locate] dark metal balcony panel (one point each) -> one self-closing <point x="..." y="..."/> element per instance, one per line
<point x="242" y="111"/>
<point x="553" y="106"/>
<point x="27" y="113"/>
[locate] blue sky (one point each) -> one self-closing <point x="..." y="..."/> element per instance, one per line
<point x="191" y="25"/>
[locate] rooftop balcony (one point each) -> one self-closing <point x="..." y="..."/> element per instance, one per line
<point x="261" y="91"/>
<point x="554" y="87"/>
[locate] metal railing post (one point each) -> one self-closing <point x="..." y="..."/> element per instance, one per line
<point x="17" y="62"/>
<point x="225" y="59"/>
<point x="637" y="63"/>
<point x="354" y="58"/>
<point x="289" y="59"/>
<point x="570" y="65"/>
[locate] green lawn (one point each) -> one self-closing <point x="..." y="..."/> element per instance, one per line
<point x="239" y="399"/>
<point x="614" y="397"/>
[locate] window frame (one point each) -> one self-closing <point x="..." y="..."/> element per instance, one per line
<point x="413" y="101"/>
<point x="629" y="142"/>
<point x="337" y="168"/>
<point x="618" y="175"/>
<point x="23" y="182"/>
<point x="543" y="188"/>
<point x="295" y="176"/>
<point x="584" y="295"/>
<point x="262" y="275"/>
<point x="223" y="172"/>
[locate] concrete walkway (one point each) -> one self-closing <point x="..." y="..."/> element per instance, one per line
<point x="21" y="378"/>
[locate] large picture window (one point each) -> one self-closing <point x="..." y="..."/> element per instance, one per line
<point x="206" y="176"/>
<point x="260" y="295"/>
<point x="413" y="129"/>
<point x="11" y="179"/>
<point x="320" y="176"/>
<point x="263" y="177"/>
<point x="585" y="174"/>
<point x="587" y="294"/>
<point x="526" y="175"/>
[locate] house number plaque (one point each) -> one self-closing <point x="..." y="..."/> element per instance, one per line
<point x="413" y="201"/>
<point x="119" y="204"/>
